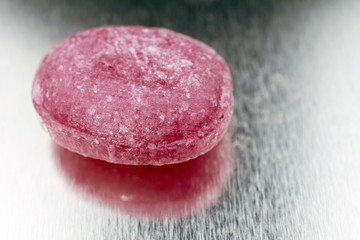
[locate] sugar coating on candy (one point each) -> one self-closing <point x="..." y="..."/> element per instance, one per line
<point x="134" y="95"/>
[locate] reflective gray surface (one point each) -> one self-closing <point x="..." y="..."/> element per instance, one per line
<point x="296" y="134"/>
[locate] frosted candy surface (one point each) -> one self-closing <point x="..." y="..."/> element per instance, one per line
<point x="134" y="95"/>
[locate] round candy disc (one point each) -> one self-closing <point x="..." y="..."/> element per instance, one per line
<point x="134" y="95"/>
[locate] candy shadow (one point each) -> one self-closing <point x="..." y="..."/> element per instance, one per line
<point x="151" y="192"/>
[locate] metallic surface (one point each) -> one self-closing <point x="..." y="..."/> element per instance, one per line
<point x="296" y="134"/>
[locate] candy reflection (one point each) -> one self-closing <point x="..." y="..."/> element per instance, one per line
<point x="168" y="191"/>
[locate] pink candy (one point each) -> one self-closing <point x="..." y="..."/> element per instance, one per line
<point x="134" y="95"/>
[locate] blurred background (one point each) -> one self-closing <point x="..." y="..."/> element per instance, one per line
<point x="295" y="130"/>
